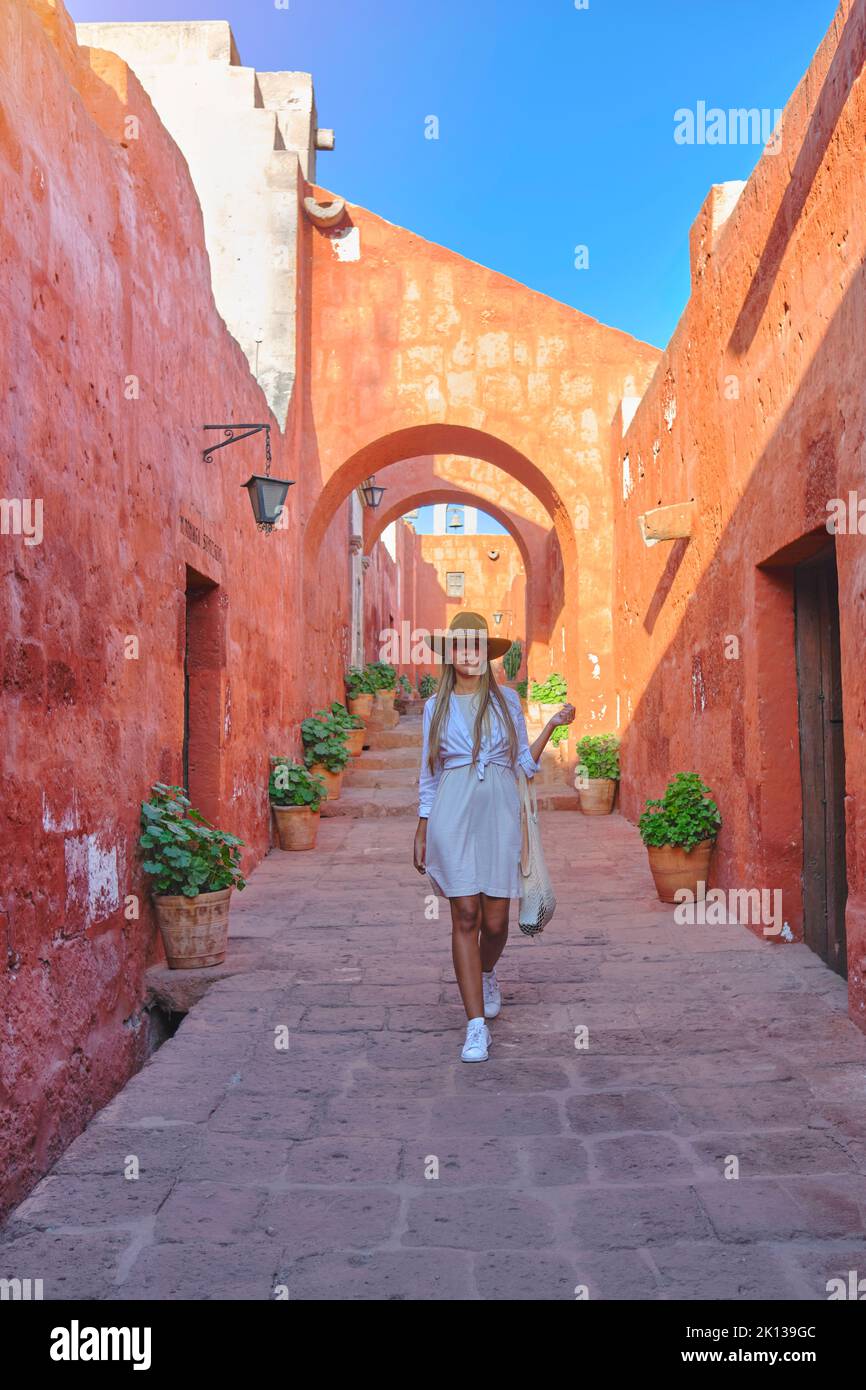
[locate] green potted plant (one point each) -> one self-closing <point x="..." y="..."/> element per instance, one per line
<point x="384" y="678"/>
<point x="359" y="691"/>
<point x="521" y="687"/>
<point x="354" y="728"/>
<point x="325" y="751"/>
<point x="427" y="686"/>
<point x="597" y="773"/>
<point x="295" y="794"/>
<point x="512" y="659"/>
<point x="194" y="868"/>
<point x="550" y="695"/>
<point x="679" y="832"/>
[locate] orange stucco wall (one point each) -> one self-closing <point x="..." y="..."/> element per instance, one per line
<point x="757" y="411"/>
<point x="113" y="355"/>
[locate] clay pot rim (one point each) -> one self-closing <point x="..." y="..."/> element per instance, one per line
<point x="216" y="895"/>
<point x="700" y="845"/>
<point x="279" y="807"/>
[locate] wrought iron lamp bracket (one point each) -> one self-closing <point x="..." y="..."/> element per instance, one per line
<point x="235" y="432"/>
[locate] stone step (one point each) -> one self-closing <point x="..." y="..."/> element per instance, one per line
<point x="382" y="719"/>
<point x="400" y="737"/>
<point x="557" y="801"/>
<point x="387" y="758"/>
<point x="372" y="804"/>
<point x="381" y="777"/>
<point x="383" y="781"/>
<point x="405" y="707"/>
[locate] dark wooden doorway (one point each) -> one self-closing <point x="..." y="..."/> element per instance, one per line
<point x="203" y="662"/>
<point x="822" y="756"/>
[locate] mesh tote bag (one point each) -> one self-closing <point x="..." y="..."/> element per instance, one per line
<point x="537" y="899"/>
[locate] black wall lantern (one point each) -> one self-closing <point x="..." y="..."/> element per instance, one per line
<point x="267" y="494"/>
<point x="371" y="494"/>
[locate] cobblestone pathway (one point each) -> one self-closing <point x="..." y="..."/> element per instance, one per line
<point x="303" y="1171"/>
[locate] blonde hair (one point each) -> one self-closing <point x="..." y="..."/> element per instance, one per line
<point x="491" y="698"/>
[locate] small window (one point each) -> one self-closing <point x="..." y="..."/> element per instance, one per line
<point x="454" y="584"/>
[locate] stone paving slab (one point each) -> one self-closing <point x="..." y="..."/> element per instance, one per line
<point x="634" y="1062"/>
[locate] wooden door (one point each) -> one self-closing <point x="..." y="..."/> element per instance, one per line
<point x="822" y="757"/>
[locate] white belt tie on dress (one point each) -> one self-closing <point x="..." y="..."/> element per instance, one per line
<point x="485" y="759"/>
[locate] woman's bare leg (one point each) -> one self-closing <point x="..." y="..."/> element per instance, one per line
<point x="494" y="930"/>
<point x="465" y="952"/>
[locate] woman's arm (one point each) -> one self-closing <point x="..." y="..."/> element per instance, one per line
<point x="427" y="783"/>
<point x="562" y="716"/>
<point x="528" y="758"/>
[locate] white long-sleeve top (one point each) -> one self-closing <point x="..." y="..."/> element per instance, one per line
<point x="455" y="747"/>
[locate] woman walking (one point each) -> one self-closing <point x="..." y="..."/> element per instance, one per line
<point x="468" y="837"/>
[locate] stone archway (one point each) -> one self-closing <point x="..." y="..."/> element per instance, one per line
<point x="531" y="542"/>
<point x="415" y="350"/>
<point x="409" y="444"/>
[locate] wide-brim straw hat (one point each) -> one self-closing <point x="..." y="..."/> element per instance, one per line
<point x="468" y="623"/>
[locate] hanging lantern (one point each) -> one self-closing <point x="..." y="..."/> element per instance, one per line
<point x="497" y="618"/>
<point x="371" y="494"/>
<point x="267" y="494"/>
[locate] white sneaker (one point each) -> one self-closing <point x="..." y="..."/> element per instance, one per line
<point x="477" y="1041"/>
<point x="492" y="995"/>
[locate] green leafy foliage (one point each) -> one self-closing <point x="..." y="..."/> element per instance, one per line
<point x="598" y="755"/>
<point x="550" y="692"/>
<point x="344" y="718"/>
<point x="427" y="686"/>
<point x="404" y="684"/>
<point x="512" y="659"/>
<point x="559" y="735"/>
<point x="324" y="740"/>
<point x="183" y="853"/>
<point x="521" y="688"/>
<point x="291" y="784"/>
<point x="684" y="816"/>
<point x="358" y="682"/>
<point x="382" y="675"/>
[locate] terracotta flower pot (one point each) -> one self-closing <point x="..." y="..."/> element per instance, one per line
<point x="673" y="867"/>
<point x="332" y="780"/>
<point x="533" y="710"/>
<point x="547" y="711"/>
<point x="597" y="796"/>
<point x="362" y="705"/>
<point x="385" y="699"/>
<point x="297" y="826"/>
<point x="194" y="930"/>
<point x="355" y="741"/>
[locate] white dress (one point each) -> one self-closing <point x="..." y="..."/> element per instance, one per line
<point x="473" y="811"/>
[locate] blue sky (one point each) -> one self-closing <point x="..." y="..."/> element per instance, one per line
<point x="555" y="124"/>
